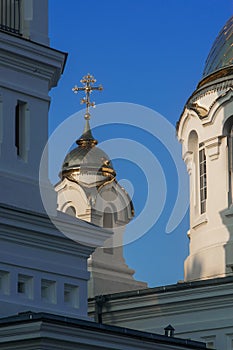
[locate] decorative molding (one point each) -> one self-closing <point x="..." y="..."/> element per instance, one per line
<point x="202" y="219"/>
<point x="218" y="103"/>
<point x="207" y="113"/>
<point x="185" y="117"/>
<point x="201" y="111"/>
<point x="219" y="74"/>
<point x="212" y="147"/>
<point x="188" y="159"/>
<point x="107" y="268"/>
<point x="208" y="90"/>
<point x="222" y="85"/>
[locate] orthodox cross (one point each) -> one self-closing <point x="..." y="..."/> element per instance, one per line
<point x="88" y="81"/>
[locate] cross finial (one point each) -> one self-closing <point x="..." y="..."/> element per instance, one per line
<point x="88" y="81"/>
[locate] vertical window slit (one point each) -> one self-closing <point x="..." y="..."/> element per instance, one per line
<point x="203" y="179"/>
<point x="21" y="130"/>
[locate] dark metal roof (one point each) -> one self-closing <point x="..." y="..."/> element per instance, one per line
<point x="86" y="157"/>
<point x="169" y="288"/>
<point x="27" y="317"/>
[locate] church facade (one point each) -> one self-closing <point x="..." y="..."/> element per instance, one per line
<point x="43" y="272"/>
<point x="30" y="243"/>
<point x="200" y="307"/>
<point x="205" y="132"/>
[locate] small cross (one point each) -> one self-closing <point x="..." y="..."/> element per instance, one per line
<point x="88" y="81"/>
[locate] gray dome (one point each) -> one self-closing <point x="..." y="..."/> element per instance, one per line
<point x="89" y="157"/>
<point x="221" y="53"/>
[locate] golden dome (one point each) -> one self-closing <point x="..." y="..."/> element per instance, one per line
<point x="221" y="53"/>
<point x="87" y="158"/>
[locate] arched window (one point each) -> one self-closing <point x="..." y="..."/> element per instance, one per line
<point x="71" y="211"/>
<point x="192" y="164"/>
<point x="196" y="162"/>
<point x="228" y="131"/>
<point x="108" y="222"/>
<point x="108" y="218"/>
<point x="203" y="178"/>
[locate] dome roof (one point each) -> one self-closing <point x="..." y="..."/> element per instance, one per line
<point x="221" y="53"/>
<point x="86" y="157"/>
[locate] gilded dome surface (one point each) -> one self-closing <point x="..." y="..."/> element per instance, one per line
<point x="221" y="53"/>
<point x="87" y="157"/>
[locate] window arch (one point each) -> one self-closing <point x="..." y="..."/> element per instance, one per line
<point x="193" y="171"/>
<point x="228" y="132"/>
<point x="71" y="211"/>
<point x="202" y="178"/>
<point x="108" y="218"/>
<point x="198" y="174"/>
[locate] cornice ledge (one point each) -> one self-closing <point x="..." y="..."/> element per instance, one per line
<point x="220" y="85"/>
<point x="201" y="220"/>
<point x="137" y="310"/>
<point x="88" y="233"/>
<point x="188" y="159"/>
<point x="208" y="90"/>
<point x="108" y="267"/>
<point x="62" y="226"/>
<point x="49" y="62"/>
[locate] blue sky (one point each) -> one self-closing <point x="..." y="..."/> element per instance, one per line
<point x="150" y="53"/>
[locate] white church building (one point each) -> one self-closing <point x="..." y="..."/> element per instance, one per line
<point x="201" y="307"/>
<point x="43" y="272"/>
